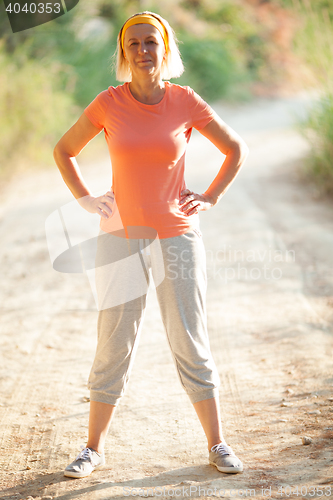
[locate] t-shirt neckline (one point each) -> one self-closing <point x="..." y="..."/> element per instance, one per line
<point x="142" y="103"/>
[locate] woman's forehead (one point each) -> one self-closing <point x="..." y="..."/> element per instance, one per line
<point x="142" y="30"/>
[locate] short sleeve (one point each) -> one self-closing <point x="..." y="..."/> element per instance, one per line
<point x="96" y="110"/>
<point x="201" y="113"/>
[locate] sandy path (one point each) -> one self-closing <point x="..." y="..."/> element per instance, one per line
<point x="269" y="258"/>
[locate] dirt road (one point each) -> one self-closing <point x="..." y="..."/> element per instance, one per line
<point x="270" y="308"/>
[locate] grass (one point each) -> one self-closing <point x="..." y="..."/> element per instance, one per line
<point x="318" y="129"/>
<point x="314" y="43"/>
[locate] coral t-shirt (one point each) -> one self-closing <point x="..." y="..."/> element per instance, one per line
<point x="147" y="145"/>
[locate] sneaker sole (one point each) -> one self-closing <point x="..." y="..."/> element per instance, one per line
<point x="79" y="475"/>
<point x="227" y="470"/>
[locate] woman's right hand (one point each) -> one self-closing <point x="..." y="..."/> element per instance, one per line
<point x="101" y="205"/>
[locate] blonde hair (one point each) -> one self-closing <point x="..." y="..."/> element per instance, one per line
<point x="172" y="65"/>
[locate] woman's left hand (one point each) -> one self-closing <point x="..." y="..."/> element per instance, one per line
<point x="191" y="203"/>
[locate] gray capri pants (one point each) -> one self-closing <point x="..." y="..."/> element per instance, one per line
<point x="181" y="296"/>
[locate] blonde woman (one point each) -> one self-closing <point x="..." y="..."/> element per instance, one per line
<point x="147" y="123"/>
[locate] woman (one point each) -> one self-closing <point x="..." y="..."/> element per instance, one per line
<point x="147" y="123"/>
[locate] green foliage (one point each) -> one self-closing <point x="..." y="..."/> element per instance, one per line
<point x="34" y="112"/>
<point x="231" y="54"/>
<point x="91" y="62"/>
<point x="318" y="129"/>
<point x="314" y="42"/>
<point x="314" y="5"/>
<point x="314" y="39"/>
<point x="67" y="62"/>
<point x="210" y="68"/>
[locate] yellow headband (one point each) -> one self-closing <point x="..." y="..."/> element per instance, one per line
<point x="145" y="19"/>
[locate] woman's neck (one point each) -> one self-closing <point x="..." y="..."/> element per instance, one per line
<point x="147" y="92"/>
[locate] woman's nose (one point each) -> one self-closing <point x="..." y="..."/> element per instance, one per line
<point x="142" y="48"/>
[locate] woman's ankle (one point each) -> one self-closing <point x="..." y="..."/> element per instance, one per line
<point x="96" y="447"/>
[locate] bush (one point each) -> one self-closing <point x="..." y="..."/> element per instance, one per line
<point x="44" y="72"/>
<point x="314" y="43"/>
<point x="34" y="112"/>
<point x="233" y="50"/>
<point x="318" y="129"/>
<point x="90" y="58"/>
<point x="209" y="67"/>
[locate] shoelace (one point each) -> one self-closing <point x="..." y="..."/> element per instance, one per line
<point x="223" y="449"/>
<point x="84" y="454"/>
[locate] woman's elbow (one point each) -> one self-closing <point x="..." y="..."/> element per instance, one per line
<point x="56" y="153"/>
<point x="245" y="150"/>
<point x="242" y="150"/>
<point x="60" y="156"/>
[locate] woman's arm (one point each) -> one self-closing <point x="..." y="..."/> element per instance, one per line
<point x="236" y="151"/>
<point x="65" y="152"/>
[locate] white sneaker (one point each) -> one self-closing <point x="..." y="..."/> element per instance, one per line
<point x="85" y="463"/>
<point x="222" y="456"/>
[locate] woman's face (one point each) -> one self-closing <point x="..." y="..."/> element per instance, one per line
<point x="144" y="50"/>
